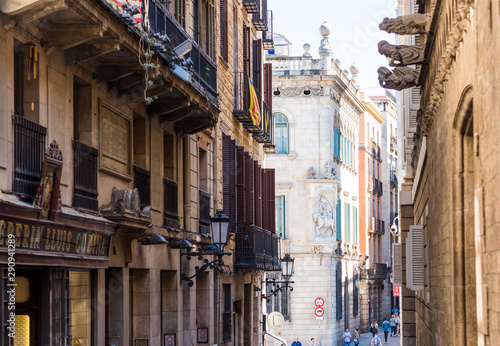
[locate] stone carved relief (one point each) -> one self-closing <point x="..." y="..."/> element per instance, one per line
<point x="324" y="218"/>
<point x="334" y="95"/>
<point x="53" y="151"/>
<point x="459" y="26"/>
<point x="400" y="78"/>
<point x="409" y="24"/>
<point x="298" y="91"/>
<point x="402" y="55"/>
<point x="125" y="203"/>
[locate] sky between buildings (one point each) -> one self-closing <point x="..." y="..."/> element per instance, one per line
<point x="355" y="31"/>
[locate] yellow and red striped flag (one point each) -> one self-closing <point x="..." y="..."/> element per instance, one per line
<point x="254" y="108"/>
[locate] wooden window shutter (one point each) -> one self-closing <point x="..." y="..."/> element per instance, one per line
<point x="19" y="58"/>
<point x="257" y="193"/>
<point x="229" y="180"/>
<point x="338" y="293"/>
<point x="268" y="86"/>
<point x="223" y="30"/>
<point x="415" y="258"/>
<point x="257" y="64"/>
<point x="339" y="219"/>
<point x="246" y="50"/>
<point x="180" y="12"/>
<point x="240" y="186"/>
<point x="269" y="205"/>
<point x="249" y="190"/>
<point x="212" y="51"/>
<point x="397" y="277"/>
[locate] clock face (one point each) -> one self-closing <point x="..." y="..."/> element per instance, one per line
<point x="275" y="320"/>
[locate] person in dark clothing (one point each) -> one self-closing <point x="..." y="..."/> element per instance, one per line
<point x="386" y="327"/>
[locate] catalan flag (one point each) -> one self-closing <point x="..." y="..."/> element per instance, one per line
<point x="254" y="104"/>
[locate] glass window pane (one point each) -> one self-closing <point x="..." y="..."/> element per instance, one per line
<point x="80" y="307"/>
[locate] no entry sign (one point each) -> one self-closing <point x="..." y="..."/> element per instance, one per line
<point x="396" y="291"/>
<point x="319" y="312"/>
<point x="319" y="302"/>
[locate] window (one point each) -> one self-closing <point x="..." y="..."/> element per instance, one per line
<point x="338" y="293"/>
<point x="280" y="216"/>
<point x="281" y="133"/>
<point x="226" y="318"/>
<point x="278" y="302"/>
<point x="355" y="299"/>
<point x="348" y="222"/>
<point x="80" y="307"/>
<point x="339" y="220"/>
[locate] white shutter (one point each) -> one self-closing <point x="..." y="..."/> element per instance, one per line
<point x="415" y="258"/>
<point x="396" y="265"/>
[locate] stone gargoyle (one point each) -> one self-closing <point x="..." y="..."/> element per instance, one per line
<point x="402" y="55"/>
<point x="398" y="79"/>
<point x="409" y="24"/>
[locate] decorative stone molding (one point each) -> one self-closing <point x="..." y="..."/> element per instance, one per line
<point x="53" y="152"/>
<point x="125" y="203"/>
<point x="459" y="26"/>
<point x="335" y="96"/>
<point x="299" y="91"/>
<point x="400" y="78"/>
<point x="409" y="24"/>
<point x="402" y="55"/>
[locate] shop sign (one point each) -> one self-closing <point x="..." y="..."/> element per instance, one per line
<point x="396" y="291"/>
<point x="31" y="236"/>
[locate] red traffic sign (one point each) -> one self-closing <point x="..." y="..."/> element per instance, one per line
<point x="319" y="312"/>
<point x="319" y="302"/>
<point x="396" y="291"/>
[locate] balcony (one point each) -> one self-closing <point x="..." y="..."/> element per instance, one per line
<point x="170" y="216"/>
<point x="378" y="187"/>
<point x="204" y="69"/>
<point x="394" y="178"/>
<point x="267" y="39"/>
<point x="259" y="18"/>
<point x="262" y="131"/>
<point x="29" y="146"/>
<point x="377" y="271"/>
<point x="204" y="212"/>
<point x="85" y="175"/>
<point x="256" y="248"/>
<point x="251" y="6"/>
<point x="380" y="226"/>
<point x="142" y="182"/>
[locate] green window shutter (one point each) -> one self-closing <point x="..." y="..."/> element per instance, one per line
<point x="339" y="221"/>
<point x="280" y="216"/>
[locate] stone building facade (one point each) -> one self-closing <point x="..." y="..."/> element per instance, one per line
<point x="448" y="202"/>
<point x="316" y="110"/>
<point x="134" y="99"/>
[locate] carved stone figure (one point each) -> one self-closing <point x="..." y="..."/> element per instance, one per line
<point x="324" y="218"/>
<point x="400" y="78"/>
<point x="402" y="55"/>
<point x="409" y="24"/>
<point x="125" y="202"/>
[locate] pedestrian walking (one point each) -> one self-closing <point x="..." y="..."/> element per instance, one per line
<point x="393" y="325"/>
<point x="312" y="343"/>
<point x="347" y="337"/>
<point x="374" y="328"/>
<point x="386" y="326"/>
<point x="398" y="322"/>
<point x="356" y="337"/>
<point x="296" y="342"/>
<point x="376" y="340"/>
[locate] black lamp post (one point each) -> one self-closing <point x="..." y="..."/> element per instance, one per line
<point x="219" y="227"/>
<point x="287" y="272"/>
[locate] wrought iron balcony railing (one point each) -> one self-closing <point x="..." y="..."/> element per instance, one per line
<point x="29" y="146"/>
<point x="256" y="248"/>
<point x="204" y="212"/>
<point x="85" y="175"/>
<point x="171" y="217"/>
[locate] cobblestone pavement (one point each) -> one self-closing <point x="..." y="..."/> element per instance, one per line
<point x="366" y="339"/>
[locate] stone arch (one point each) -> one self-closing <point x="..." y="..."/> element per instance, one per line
<point x="464" y="255"/>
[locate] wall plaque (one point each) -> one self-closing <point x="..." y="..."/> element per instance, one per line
<point x="114" y="141"/>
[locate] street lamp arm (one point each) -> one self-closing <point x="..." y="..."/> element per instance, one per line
<point x="278" y="289"/>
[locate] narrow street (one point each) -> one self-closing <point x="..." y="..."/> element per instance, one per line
<point x="391" y="341"/>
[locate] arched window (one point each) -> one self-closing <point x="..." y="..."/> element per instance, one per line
<point x="281" y="133"/>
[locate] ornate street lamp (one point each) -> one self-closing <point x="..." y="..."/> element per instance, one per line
<point x="287" y="272"/>
<point x="219" y="227"/>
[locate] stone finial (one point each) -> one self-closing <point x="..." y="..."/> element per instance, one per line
<point x="402" y="55"/>
<point x="325" y="30"/>
<point x="409" y="24"/>
<point x="306" y="47"/>
<point x="400" y="78"/>
<point x="354" y="72"/>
